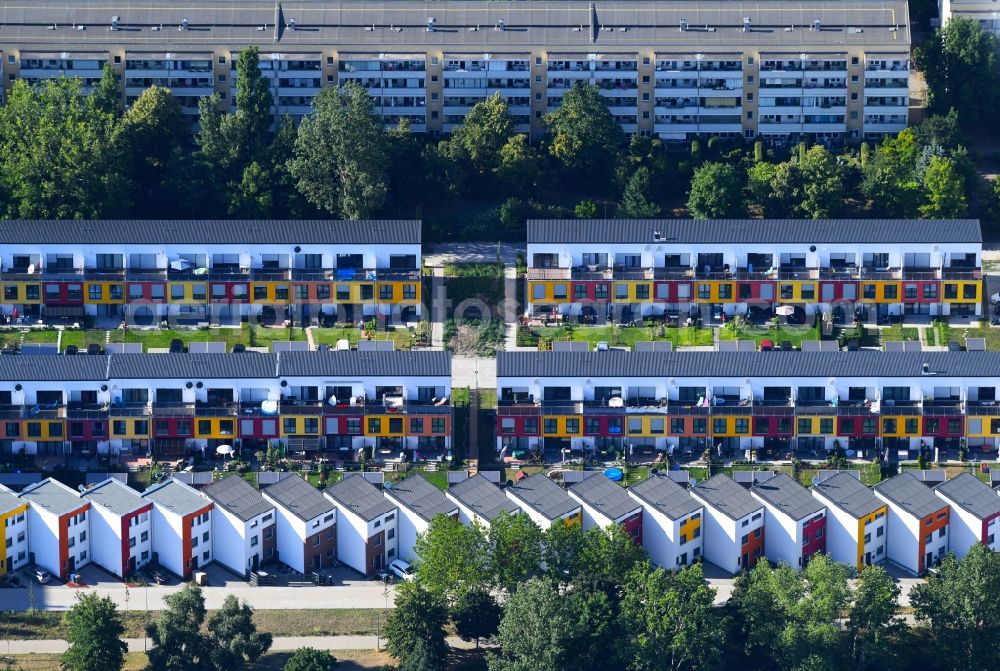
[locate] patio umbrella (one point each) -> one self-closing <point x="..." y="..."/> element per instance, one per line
<point x="785" y="310"/>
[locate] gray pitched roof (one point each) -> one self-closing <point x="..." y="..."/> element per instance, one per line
<point x="720" y="492"/>
<point x="238" y="497"/>
<point x="298" y="497"/>
<point x="360" y="497"/>
<point x="396" y="363"/>
<point x="176" y="497"/>
<point x="543" y="496"/>
<point x="208" y="232"/>
<point x="115" y="496"/>
<point x="482" y="497"/>
<point x="192" y="366"/>
<point x="421" y="497"/>
<point x="604" y="496"/>
<point x="53" y="368"/>
<point x="750" y="231"/>
<point x="746" y="364"/>
<point x="788" y="496"/>
<point x="847" y="493"/>
<point x="910" y="494"/>
<point x="8" y="500"/>
<point x="53" y="496"/>
<point x="400" y="26"/>
<point x="665" y="495"/>
<point x="971" y="495"/>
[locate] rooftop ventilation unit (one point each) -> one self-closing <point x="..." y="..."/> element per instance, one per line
<point x="746" y="24"/>
<point x="817" y="25"/>
<point x="291" y="24"/>
<point x="501" y="25"/>
<point x="684" y="25"/>
<point x="430" y="24"/>
<point x="114" y="22"/>
<point x="184" y="24"/>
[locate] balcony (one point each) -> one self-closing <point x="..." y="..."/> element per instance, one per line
<point x="173" y="409"/>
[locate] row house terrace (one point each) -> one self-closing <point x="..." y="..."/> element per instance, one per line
<point x="627" y="270"/>
<point x="644" y="404"/>
<point x="171" y="405"/>
<point x="220" y="270"/>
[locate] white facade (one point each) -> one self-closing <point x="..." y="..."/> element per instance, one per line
<point x="909" y="541"/>
<point x="237" y="544"/>
<point x="182" y="541"/>
<point x="853" y="541"/>
<point x="292" y="532"/>
<point x="15" y="534"/>
<point x="356" y="538"/>
<point x="410" y="525"/>
<point x="541" y="520"/>
<point x="119" y="550"/>
<point x="724" y="536"/>
<point x="784" y="533"/>
<point x="592" y="517"/>
<point x="46" y="539"/>
<point x="966" y="529"/>
<point x="661" y="536"/>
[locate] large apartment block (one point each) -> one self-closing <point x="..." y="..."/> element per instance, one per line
<point x="170" y="405"/>
<point x="983" y="12"/>
<point x="773" y="69"/>
<point x="627" y="270"/>
<point x="220" y="271"/>
<point x="642" y="404"/>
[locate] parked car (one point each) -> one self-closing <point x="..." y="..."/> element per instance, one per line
<point x="42" y="576"/>
<point x="402" y="569"/>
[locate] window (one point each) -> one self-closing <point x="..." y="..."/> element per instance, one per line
<point x="572" y="425"/>
<point x="601" y="291"/>
<point x="322" y="292"/>
<point x="805" y="426"/>
<point x="385" y="292"/>
<point x="374" y="425"/>
<point x="677" y="426"/>
<point x="641" y="292"/>
<point x="550" y="425"/>
<point x="890" y="291"/>
<point x="95" y="292"/>
<point x="592" y="425"/>
<point x="704" y="291"/>
<point x="719" y="425"/>
<point x="742" y="425"/>
<point x="254" y="540"/>
<point x="417" y="425"/>
<point x="888" y="426"/>
<point x="699" y="425"/>
<point x="826" y="425"/>
<point x="437" y="425"/>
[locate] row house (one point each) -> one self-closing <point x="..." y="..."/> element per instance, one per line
<point x="795" y="523"/>
<point x="734" y="524"/>
<point x="544" y="502"/>
<point x="629" y="270"/>
<point x="221" y="271"/>
<point x="14" y="523"/>
<point x="305" y="524"/>
<point x="777" y="71"/>
<point x="243" y="525"/>
<point x="367" y="524"/>
<point x="646" y="403"/>
<point x="58" y="527"/>
<point x="182" y="527"/>
<point x="975" y="513"/>
<point x="918" y="523"/>
<point x="672" y="521"/>
<point x="418" y="503"/>
<point x="856" y="521"/>
<point x="171" y="405"/>
<point x="121" y="527"/>
<point x="479" y="501"/>
<point x="605" y="503"/>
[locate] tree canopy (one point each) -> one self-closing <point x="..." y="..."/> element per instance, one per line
<point x="94" y="631"/>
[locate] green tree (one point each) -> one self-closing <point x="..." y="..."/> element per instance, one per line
<point x="773" y="188"/>
<point x="252" y="197"/>
<point x="673" y="619"/>
<point x="960" y="606"/>
<point x="889" y="179"/>
<point x="94" y="631"/>
<point x="487" y="127"/>
<point x="310" y="659"/>
<point x="945" y="190"/>
<point x="178" y="644"/>
<point x="408" y="170"/>
<point x="419" y="615"/>
<point x="584" y="137"/>
<point x="235" y="639"/>
<point x="822" y="184"/>
<point x="607" y="556"/>
<point x="476" y="615"/>
<point x="451" y="558"/>
<point x="519" y="169"/>
<point x="940" y="129"/>
<point x="341" y="154"/>
<point x="637" y="200"/>
<point x="960" y="64"/>
<point x="873" y="625"/>
<point x="422" y="658"/>
<point x="514" y="549"/>
<point x="716" y="192"/>
<point x="106" y="96"/>
<point x="586" y="209"/>
<point x="57" y="156"/>
<point x="247" y="127"/>
<point x="151" y="139"/>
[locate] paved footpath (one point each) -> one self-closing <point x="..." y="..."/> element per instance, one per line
<point x="280" y="644"/>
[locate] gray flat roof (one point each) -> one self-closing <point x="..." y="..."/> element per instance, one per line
<point x="788" y="496"/>
<point x="53" y="368"/>
<point x="543" y="496"/>
<point x="847" y="493"/>
<point x="910" y="494"/>
<point x="617" y="363"/>
<point x="382" y="26"/>
<point x="360" y="497"/>
<point x="53" y="496"/>
<point x="723" y="494"/>
<point x="115" y="496"/>
<point x="971" y="495"/>
<point x="238" y="497"/>
<point x="397" y="363"/>
<point x="192" y="366"/>
<point x="750" y="231"/>
<point x="176" y="497"/>
<point x="482" y="497"/>
<point x="299" y="498"/>
<point x="668" y="497"/>
<point x="605" y="497"/>
<point x="421" y="497"/>
<point x="201" y="231"/>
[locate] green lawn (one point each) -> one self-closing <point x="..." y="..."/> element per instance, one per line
<point x="161" y="338"/>
<point x="899" y="332"/>
<point x="617" y="336"/>
<point x="945" y="333"/>
<point x="402" y="338"/>
<point x="793" y="334"/>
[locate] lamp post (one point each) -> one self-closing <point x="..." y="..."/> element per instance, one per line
<point x="378" y="617"/>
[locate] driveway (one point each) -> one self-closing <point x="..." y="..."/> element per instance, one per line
<point x="473" y="372"/>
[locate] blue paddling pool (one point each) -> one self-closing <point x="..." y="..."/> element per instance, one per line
<point x="614" y="474"/>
